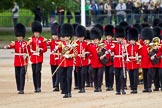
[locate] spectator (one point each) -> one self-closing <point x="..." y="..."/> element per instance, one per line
<point x="94" y="10"/>
<point x="45" y="17"/>
<point x="101" y="12"/>
<point x="151" y="8"/>
<point x="113" y="12"/>
<point x="38" y="14"/>
<point x="69" y="16"/>
<point x="157" y="8"/>
<point x="15" y="13"/>
<point x="60" y="12"/>
<point x="88" y="19"/>
<point x="121" y="7"/>
<point x="145" y="11"/>
<point x="52" y="17"/>
<point x="107" y="7"/>
<point x="137" y="10"/>
<point x="129" y="6"/>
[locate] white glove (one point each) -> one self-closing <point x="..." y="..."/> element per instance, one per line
<point x="66" y="56"/>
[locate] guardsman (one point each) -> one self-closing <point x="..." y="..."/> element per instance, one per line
<point x="20" y="59"/>
<point x="109" y="70"/>
<point x="119" y="60"/>
<point x="89" y="78"/>
<point x="133" y="59"/>
<point x="38" y="46"/>
<point x="158" y="66"/>
<point x="146" y="65"/>
<point x="81" y="57"/>
<point x="66" y="61"/>
<point x="96" y="64"/>
<point x="54" y="55"/>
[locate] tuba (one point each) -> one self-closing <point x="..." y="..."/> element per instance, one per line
<point x="153" y="48"/>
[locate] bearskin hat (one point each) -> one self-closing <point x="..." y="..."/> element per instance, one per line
<point x="67" y="30"/>
<point x="156" y="21"/>
<point x="138" y="27"/>
<point x="100" y="27"/>
<point x="124" y="24"/>
<point x="120" y="33"/>
<point x="54" y="28"/>
<point x="147" y="33"/>
<point x="36" y="27"/>
<point x="133" y="34"/>
<point x="74" y="26"/>
<point x="19" y="30"/>
<point x="157" y="32"/>
<point x="145" y="25"/>
<point x="80" y="31"/>
<point x="160" y="24"/>
<point x="109" y="30"/>
<point x="87" y="35"/>
<point x="95" y="33"/>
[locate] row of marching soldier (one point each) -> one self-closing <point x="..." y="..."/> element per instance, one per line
<point x="74" y="49"/>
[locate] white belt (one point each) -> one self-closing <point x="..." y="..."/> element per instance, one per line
<point x="20" y="54"/>
<point x="132" y="57"/>
<point x="118" y="56"/>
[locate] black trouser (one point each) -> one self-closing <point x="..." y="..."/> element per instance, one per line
<point x="119" y="78"/>
<point x="109" y="76"/>
<point x="98" y="77"/>
<point x="66" y="79"/>
<point x="36" y="68"/>
<point x="148" y="77"/>
<point x="160" y="77"/>
<point x="89" y="79"/>
<point x="15" y="20"/>
<point x="81" y="76"/>
<point x="156" y="77"/>
<point x="53" y="68"/>
<point x="133" y="76"/>
<point x="20" y="77"/>
<point x="76" y="77"/>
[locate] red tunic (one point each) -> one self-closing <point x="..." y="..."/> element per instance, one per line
<point x="82" y="48"/>
<point x="66" y="62"/>
<point x="119" y="61"/>
<point x="20" y="52"/>
<point x="145" y="59"/>
<point x="109" y="47"/>
<point x="133" y="51"/>
<point x="95" y="62"/>
<point x="54" y="58"/>
<point x="35" y="45"/>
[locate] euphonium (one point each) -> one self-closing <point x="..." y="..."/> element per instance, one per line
<point x="153" y="48"/>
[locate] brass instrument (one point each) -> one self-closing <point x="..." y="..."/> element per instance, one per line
<point x="153" y="48"/>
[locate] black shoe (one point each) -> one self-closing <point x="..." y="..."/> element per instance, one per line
<point x="125" y="88"/>
<point x="156" y="89"/>
<point x="109" y="89"/>
<point x="145" y="90"/>
<point x="91" y="84"/>
<point x="21" y="92"/>
<point x="62" y="92"/>
<point x="133" y="92"/>
<point x="76" y="88"/>
<point x="99" y="89"/>
<point x="118" y="93"/>
<point x="123" y="92"/>
<point x="88" y="85"/>
<point x="96" y="90"/>
<point x="82" y="90"/>
<point x="56" y="89"/>
<point x="149" y="90"/>
<point x="67" y="95"/>
<point x="38" y="90"/>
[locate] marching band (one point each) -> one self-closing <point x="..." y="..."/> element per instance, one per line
<point x="124" y="50"/>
